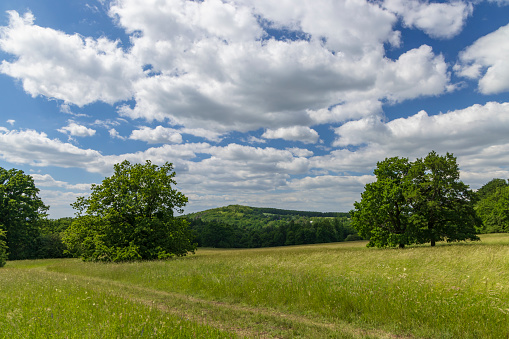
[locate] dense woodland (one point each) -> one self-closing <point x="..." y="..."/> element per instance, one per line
<point x="238" y="226"/>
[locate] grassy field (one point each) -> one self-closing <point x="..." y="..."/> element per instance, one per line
<point x="340" y="290"/>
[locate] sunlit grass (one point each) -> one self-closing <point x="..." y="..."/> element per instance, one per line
<point x="40" y="304"/>
<point x="450" y="291"/>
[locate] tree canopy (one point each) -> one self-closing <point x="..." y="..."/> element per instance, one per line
<point x="493" y="206"/>
<point x="130" y="216"/>
<point x="415" y="203"/>
<point x="20" y="211"/>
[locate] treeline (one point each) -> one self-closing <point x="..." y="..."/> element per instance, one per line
<point x="302" y="231"/>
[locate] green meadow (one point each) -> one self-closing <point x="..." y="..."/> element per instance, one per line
<point x="338" y="290"/>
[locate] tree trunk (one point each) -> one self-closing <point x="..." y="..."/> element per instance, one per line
<point x="401" y="245"/>
<point x="432" y="241"/>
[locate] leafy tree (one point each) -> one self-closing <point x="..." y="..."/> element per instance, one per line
<point x="442" y="205"/>
<point x="383" y="213"/>
<point x="494" y="211"/>
<point x="417" y="202"/>
<point x="21" y="209"/>
<point x="3" y="248"/>
<point x="130" y="216"/>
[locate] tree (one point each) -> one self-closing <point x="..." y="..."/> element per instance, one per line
<point x="3" y="248"/>
<point x="442" y="205"/>
<point x="21" y="209"/>
<point x="130" y="216"/>
<point x="415" y="203"/>
<point x="382" y="215"/>
<point x="494" y="211"/>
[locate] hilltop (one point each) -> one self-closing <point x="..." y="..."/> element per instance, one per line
<point x="258" y="217"/>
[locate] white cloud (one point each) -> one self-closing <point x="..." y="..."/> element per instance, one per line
<point x="75" y="130"/>
<point x="295" y="133"/>
<point x="349" y="27"/>
<point x="67" y="67"/>
<point x="467" y="132"/>
<point x="234" y="81"/>
<point x="158" y="135"/>
<point x="416" y="73"/>
<point x="439" y="20"/>
<point x="203" y="133"/>
<point x="115" y="135"/>
<point x="255" y="140"/>
<point x="211" y="67"/>
<point x="300" y="152"/>
<point x="11" y="122"/>
<point x="487" y="59"/>
<point x="46" y="180"/>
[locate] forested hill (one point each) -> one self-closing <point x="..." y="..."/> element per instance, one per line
<point x="257" y="217"/>
<point x="244" y="226"/>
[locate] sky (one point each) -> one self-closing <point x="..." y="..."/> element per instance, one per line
<point x="286" y="104"/>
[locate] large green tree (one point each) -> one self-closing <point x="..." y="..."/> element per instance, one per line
<point x="442" y="205"/>
<point x="130" y="216"/>
<point x="415" y="202"/>
<point x="21" y="209"/>
<point x="493" y="210"/>
<point x="382" y="215"/>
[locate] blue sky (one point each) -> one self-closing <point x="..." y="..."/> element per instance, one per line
<point x="286" y="104"/>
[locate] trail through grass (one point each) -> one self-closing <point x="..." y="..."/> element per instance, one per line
<point x="339" y="290"/>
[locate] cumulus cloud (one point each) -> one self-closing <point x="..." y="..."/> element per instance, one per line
<point x="439" y="20"/>
<point x="158" y="135"/>
<point x="11" y="122"/>
<point x="472" y="130"/>
<point x="237" y="80"/>
<point x="76" y="130"/>
<point x="213" y="63"/>
<point x="46" y="180"/>
<point x="71" y="68"/>
<point x="115" y="135"/>
<point x="295" y="133"/>
<point x="487" y="59"/>
<point x="418" y="72"/>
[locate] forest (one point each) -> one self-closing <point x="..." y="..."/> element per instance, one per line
<point x="238" y="226"/>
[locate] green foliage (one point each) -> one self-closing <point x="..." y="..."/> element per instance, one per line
<point x="50" y="241"/>
<point x="257" y="217"/>
<point x="21" y="209"/>
<point x="442" y="205"/>
<point x="3" y="248"/>
<point x="493" y="210"/>
<point x="219" y="234"/>
<point x="383" y="213"/>
<point x="130" y="217"/>
<point x="491" y="187"/>
<point x="416" y="203"/>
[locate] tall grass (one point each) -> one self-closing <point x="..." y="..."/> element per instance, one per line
<point x="39" y="304"/>
<point x="449" y="291"/>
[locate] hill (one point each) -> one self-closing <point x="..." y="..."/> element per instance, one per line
<point x="237" y="226"/>
<point x="258" y="217"/>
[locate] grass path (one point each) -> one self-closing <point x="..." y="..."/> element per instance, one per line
<point x="320" y="291"/>
<point x="237" y="320"/>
